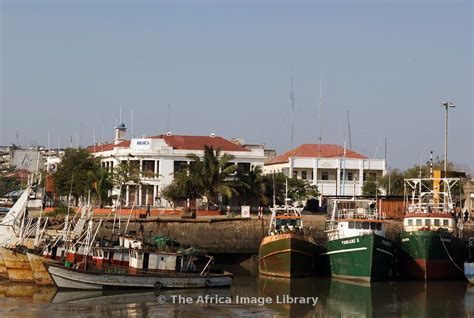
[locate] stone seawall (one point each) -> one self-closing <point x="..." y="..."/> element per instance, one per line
<point x="235" y="236"/>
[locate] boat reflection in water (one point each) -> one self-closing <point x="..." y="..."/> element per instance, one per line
<point x="343" y="298"/>
<point x="13" y="295"/>
<point x="335" y="298"/>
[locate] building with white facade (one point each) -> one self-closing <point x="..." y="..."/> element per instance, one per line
<point x="333" y="170"/>
<point x="159" y="157"/>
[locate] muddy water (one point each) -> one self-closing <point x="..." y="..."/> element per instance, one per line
<point x="249" y="296"/>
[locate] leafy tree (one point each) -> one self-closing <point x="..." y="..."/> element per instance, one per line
<point x="182" y="188"/>
<point x="76" y="173"/>
<point x="298" y="190"/>
<point x="370" y="187"/>
<point x="393" y="181"/>
<point x="124" y="173"/>
<point x="102" y="184"/>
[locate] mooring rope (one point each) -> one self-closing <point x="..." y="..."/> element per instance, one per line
<point x="449" y="255"/>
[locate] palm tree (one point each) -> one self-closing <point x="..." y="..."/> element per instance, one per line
<point x="214" y="174"/>
<point x="253" y="187"/>
<point x="102" y="184"/>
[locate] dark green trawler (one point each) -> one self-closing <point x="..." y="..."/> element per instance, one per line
<point x="431" y="244"/>
<point x="286" y="251"/>
<point x="356" y="248"/>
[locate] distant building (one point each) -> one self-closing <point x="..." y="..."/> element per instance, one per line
<point x="326" y="166"/>
<point x="159" y="157"/>
<point x="268" y="153"/>
<point x="12" y="157"/>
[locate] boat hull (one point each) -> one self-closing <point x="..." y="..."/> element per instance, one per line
<point x="17" y="266"/>
<point x="3" y="269"/>
<point x="287" y="255"/>
<point x="425" y="257"/>
<point x="40" y="273"/>
<point x="359" y="258"/>
<point x="65" y="277"/>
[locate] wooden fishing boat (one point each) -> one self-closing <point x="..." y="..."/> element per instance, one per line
<point x="147" y="269"/>
<point x="286" y="251"/>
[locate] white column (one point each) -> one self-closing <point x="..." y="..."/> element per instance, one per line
<point x="315" y="171"/>
<point x="338" y="177"/>
<point x="156" y="169"/>
<point x="290" y="171"/>
<point x="154" y="195"/>
<point x="361" y="176"/>
<point x="127" y="196"/>
<point x="140" y="195"/>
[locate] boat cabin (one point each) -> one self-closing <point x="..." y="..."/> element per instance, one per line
<point x="286" y="223"/>
<point x="351" y="217"/>
<point x="428" y="222"/>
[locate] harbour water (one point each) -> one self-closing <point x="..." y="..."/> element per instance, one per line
<point x="249" y="296"/>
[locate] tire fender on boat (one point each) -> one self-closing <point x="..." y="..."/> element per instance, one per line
<point x="208" y="283"/>
<point x="158" y="285"/>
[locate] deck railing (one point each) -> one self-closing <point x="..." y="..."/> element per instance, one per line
<point x="360" y="213"/>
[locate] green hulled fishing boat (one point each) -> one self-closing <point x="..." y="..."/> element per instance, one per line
<point x="431" y="244"/>
<point x="286" y="251"/>
<point x="356" y="248"/>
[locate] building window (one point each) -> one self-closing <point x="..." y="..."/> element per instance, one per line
<point x="436" y="222"/>
<point x="243" y="167"/>
<point x="295" y="174"/>
<point x="324" y="175"/>
<point x="427" y="222"/>
<point x="418" y="222"/>
<point x="410" y="222"/>
<point x="445" y="222"/>
<point x="350" y="176"/>
<point x="179" y="166"/>
<point x="304" y="175"/>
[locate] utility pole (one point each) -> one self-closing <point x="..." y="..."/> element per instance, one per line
<point x="292" y="97"/>
<point x="446" y="106"/>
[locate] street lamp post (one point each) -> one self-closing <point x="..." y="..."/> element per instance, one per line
<point x="446" y="106"/>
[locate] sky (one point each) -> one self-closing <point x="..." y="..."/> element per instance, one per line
<point x="225" y="67"/>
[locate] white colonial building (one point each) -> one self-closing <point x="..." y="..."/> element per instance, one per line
<point x="333" y="170"/>
<point x="159" y="157"/>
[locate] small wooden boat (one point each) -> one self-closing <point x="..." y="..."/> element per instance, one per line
<point x="65" y="277"/>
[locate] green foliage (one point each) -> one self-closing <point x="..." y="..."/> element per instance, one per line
<point x="394" y="179"/>
<point x="76" y="172"/>
<point x="213" y="175"/>
<point x="298" y="190"/>
<point x="393" y="182"/>
<point x="252" y="187"/>
<point x="124" y="173"/>
<point x="370" y="188"/>
<point x="80" y="172"/>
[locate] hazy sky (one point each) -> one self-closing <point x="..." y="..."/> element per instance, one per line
<point x="225" y="67"/>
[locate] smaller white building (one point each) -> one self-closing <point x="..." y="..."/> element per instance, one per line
<point x="333" y="170"/>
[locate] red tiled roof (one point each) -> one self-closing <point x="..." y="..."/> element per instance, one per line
<point x="180" y="142"/>
<point x="20" y="173"/>
<point x="315" y="151"/>
<point x="198" y="142"/>
<point x="108" y="147"/>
